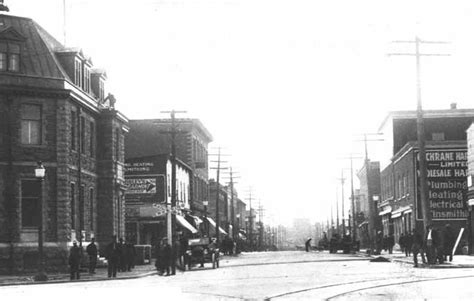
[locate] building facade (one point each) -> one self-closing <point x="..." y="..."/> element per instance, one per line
<point x="53" y="109"/>
<point x="148" y="198"/>
<point x="446" y="156"/>
<point x="368" y="221"/>
<point x="149" y="137"/>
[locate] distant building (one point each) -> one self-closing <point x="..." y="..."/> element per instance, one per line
<point x="224" y="218"/>
<point x="54" y="109"/>
<point x="367" y="216"/>
<point x="446" y="155"/>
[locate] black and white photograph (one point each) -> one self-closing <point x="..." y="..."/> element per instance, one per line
<point x="236" y="150"/>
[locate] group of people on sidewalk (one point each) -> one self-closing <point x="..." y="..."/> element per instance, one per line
<point x="436" y="246"/>
<point x="120" y="257"/>
<point x="167" y="256"/>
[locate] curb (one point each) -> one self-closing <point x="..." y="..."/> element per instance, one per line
<point x="59" y="281"/>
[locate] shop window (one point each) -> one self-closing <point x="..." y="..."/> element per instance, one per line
<point x="30" y="203"/>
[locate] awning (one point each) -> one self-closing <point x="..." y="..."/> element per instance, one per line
<point x="386" y="211"/>
<point x="183" y="222"/>
<point x="213" y="223"/>
<point x="400" y="211"/>
<point x="197" y="220"/>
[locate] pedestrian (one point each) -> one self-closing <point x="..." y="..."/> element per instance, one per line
<point x="112" y="254"/>
<point x="308" y="244"/>
<point x="402" y="243"/>
<point x="390" y="243"/>
<point x="75" y="261"/>
<point x="122" y="267"/>
<point x="378" y="243"/>
<point x="408" y="243"/>
<point x="92" y="252"/>
<point x="417" y="248"/>
<point x="159" y="258"/>
<point x="167" y="257"/>
<point x="175" y="249"/>
<point x="130" y="253"/>
<point x="429" y="247"/>
<point x="448" y="243"/>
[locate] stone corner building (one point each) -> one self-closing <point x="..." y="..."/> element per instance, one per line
<point x="53" y="109"/>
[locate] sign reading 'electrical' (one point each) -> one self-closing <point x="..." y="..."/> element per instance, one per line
<point x="447" y="184"/>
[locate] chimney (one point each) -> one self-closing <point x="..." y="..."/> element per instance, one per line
<point x="454" y="106"/>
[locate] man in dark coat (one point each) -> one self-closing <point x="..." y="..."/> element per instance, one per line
<point x="92" y="252"/>
<point x="167" y="257"/>
<point x="307" y="244"/>
<point x="130" y="253"/>
<point x="75" y="260"/>
<point x="112" y="254"/>
<point x="402" y="243"/>
<point x="408" y="243"/>
<point x="378" y="243"/>
<point x="417" y="247"/>
<point x="122" y="266"/>
<point x="448" y="242"/>
<point x="390" y="243"/>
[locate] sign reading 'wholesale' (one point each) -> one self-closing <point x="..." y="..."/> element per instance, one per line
<point x="447" y="184"/>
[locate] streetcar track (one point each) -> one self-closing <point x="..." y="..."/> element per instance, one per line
<point x="292" y="262"/>
<point x="365" y="288"/>
<point x="399" y="283"/>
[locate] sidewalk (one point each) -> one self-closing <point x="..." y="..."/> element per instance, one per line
<point x="459" y="261"/>
<point x="100" y="275"/>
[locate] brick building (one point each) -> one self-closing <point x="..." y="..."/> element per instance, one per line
<point x="148" y="137"/>
<point x="53" y="109"/>
<point x="446" y="155"/>
<point x="367" y="217"/>
<point x="148" y="181"/>
<point x="470" y="184"/>
<point x="224" y="207"/>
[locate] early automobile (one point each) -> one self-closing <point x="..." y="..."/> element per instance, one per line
<point x="200" y="251"/>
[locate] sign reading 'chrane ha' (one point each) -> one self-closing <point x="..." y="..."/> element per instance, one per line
<point x="447" y="185"/>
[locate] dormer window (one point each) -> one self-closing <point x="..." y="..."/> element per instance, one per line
<point x="87" y="79"/>
<point x="9" y="57"/>
<point x="78" y="72"/>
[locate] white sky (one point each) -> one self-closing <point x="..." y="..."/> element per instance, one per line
<point x="284" y="85"/>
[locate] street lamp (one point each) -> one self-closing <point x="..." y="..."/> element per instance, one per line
<point x="39" y="175"/>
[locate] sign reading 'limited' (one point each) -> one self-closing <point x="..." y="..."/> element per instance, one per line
<point x="447" y="186"/>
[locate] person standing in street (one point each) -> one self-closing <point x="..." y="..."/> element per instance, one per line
<point x="448" y="243"/>
<point x="167" y="257"/>
<point x="390" y="243"/>
<point x="112" y="254"/>
<point x="417" y="248"/>
<point x="402" y="243"/>
<point x="308" y="244"/>
<point x="75" y="261"/>
<point x="92" y="252"/>
<point x="123" y="256"/>
<point x="408" y="243"/>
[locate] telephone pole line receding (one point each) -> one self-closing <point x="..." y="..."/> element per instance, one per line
<point x="171" y="220"/>
<point x="218" y="190"/>
<point x="354" y="235"/>
<point x="342" y="179"/>
<point x="420" y="124"/>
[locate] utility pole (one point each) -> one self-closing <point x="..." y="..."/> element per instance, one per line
<point x="250" y="220"/>
<point x="218" y="169"/>
<point x="420" y="128"/>
<point x="372" y="206"/>
<point x="354" y="226"/>
<point x="342" y="179"/>
<point x="171" y="216"/>
<point x="232" y="182"/>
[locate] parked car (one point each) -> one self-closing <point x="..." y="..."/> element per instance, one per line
<point x="201" y="251"/>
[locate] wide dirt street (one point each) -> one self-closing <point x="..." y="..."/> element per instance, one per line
<point x="294" y="275"/>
